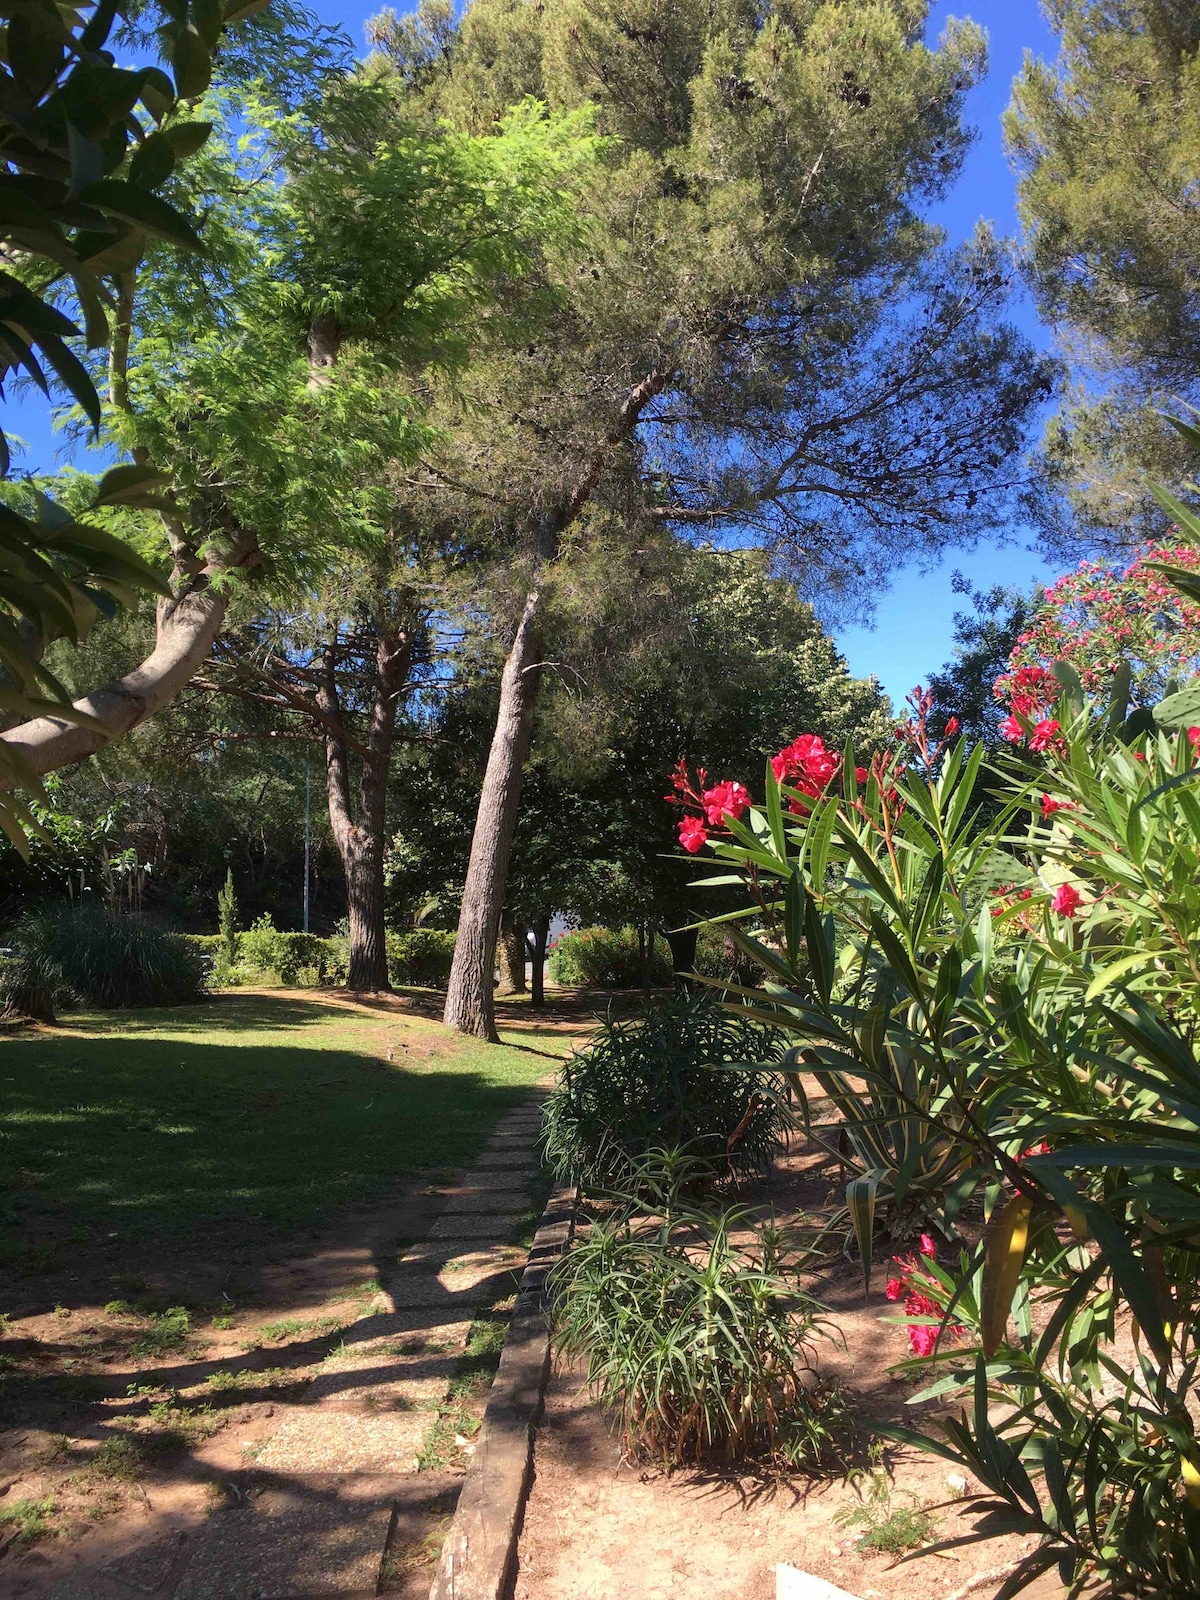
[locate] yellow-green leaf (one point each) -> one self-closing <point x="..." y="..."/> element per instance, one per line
<point x="1002" y="1269"/>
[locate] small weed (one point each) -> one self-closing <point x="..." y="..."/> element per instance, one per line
<point x="130" y="1283"/>
<point x="5" y="1323"/>
<point x="118" y="1459"/>
<point x="285" y="1327"/>
<point x="168" y="1330"/>
<point x="887" y="1528"/>
<point x="409" y="1556"/>
<point x="440" y="1446"/>
<point x="224" y="1324"/>
<point x="62" y="1312"/>
<point x="118" y="1308"/>
<point x="28" y="1519"/>
<point x="57" y="1448"/>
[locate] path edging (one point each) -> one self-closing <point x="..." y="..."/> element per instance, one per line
<point x="478" y="1560"/>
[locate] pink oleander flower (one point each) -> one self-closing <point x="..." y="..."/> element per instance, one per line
<point x="1050" y="805"/>
<point x="733" y="798"/>
<point x="1044" y="734"/>
<point x="1011" y="730"/>
<point x="692" y="835"/>
<point x="1067" y="900"/>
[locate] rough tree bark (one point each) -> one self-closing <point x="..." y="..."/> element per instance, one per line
<point x="361" y="841"/>
<point x="511" y="953"/>
<point x="469" y="998"/>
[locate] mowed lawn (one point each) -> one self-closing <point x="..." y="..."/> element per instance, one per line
<point x="268" y="1109"/>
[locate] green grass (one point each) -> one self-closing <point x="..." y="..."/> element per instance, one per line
<point x="247" y="1109"/>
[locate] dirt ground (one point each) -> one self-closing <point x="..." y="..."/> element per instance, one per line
<point x="600" y="1527"/>
<point x="135" y="1394"/>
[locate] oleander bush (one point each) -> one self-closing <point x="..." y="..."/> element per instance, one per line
<point x="85" y="954"/>
<point x="606" y="958"/>
<point x="1001" y="1005"/>
<point x="665" y="1078"/>
<point x="698" y="1339"/>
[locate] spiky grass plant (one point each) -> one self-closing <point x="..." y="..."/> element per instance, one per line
<point x="665" y="1078"/>
<point x="88" y="955"/>
<point x="698" y="1340"/>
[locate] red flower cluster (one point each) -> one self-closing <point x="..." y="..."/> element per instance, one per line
<point x="1050" y="805"/>
<point x="807" y="765"/>
<point x="723" y="799"/>
<point x="1067" y="900"/>
<point x="909" y="1285"/>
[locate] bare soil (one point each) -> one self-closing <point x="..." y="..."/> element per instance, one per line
<point x="602" y="1527"/>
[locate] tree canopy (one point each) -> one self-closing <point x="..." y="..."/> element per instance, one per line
<point x="1106" y="144"/>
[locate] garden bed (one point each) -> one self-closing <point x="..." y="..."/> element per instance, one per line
<point x="601" y="1526"/>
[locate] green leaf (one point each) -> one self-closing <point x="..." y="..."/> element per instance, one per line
<point x="793" y="917"/>
<point x="143" y="210"/>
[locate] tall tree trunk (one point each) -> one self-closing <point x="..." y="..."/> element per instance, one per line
<point x="683" y="943"/>
<point x="469" y="999"/>
<point x="362" y="842"/>
<point x="511" y="950"/>
<point x="537" y="990"/>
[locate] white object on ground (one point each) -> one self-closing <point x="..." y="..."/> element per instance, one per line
<point x="792" y="1584"/>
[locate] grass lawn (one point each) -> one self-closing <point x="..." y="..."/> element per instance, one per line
<point x="268" y="1110"/>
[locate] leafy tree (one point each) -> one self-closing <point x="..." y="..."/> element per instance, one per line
<point x="1106" y="143"/>
<point x="984" y="639"/>
<point x="272" y="379"/>
<point x="85" y="145"/>
<point x="227" y="920"/>
<point x="760" y="336"/>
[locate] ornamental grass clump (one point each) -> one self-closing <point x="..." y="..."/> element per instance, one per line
<point x="664" y="1078"/>
<point x="88" y="955"/>
<point x="698" y="1341"/>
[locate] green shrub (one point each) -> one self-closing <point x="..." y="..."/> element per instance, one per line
<point x="700" y="1345"/>
<point x="421" y="957"/>
<point x="650" y="1081"/>
<point x="606" y="958"/>
<point x="87" y="955"/>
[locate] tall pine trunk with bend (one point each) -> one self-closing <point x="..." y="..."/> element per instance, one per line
<point x="469" y="1005"/>
<point x="361" y="838"/>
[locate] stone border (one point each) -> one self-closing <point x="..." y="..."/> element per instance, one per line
<point x="478" y="1560"/>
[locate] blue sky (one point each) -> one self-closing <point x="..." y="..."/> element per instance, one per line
<point x="913" y="630"/>
<point x="912" y="633"/>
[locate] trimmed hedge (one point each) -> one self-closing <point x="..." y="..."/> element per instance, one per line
<point x="607" y="958"/>
<point x="419" y="958"/>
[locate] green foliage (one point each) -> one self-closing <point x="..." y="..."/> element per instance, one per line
<point x="701" y="1344"/>
<point x="1022" y="993"/>
<point x="606" y="958"/>
<point x="664" y="1079"/>
<point x="86" y="145"/>
<point x="227" y="922"/>
<point x="27" y="1519"/>
<point x="87" y="955"/>
<point x="420" y="958"/>
<point x="1115" y="260"/>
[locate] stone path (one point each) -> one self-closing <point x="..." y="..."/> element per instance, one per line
<point x="332" y="1502"/>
